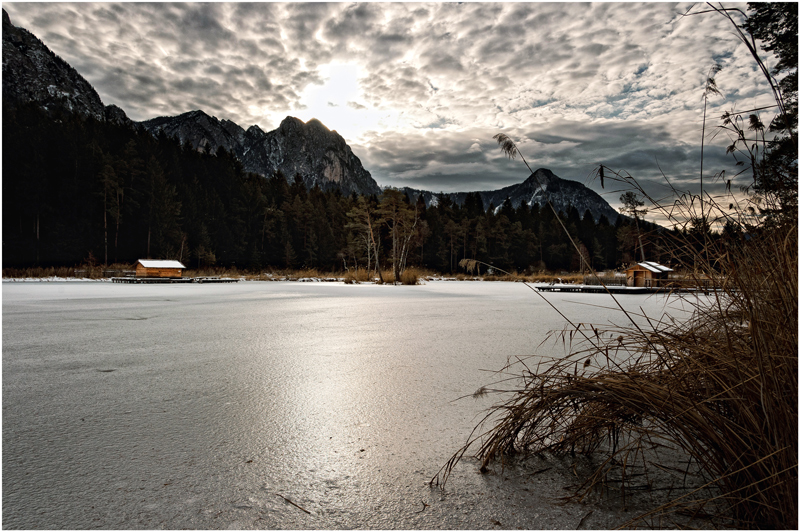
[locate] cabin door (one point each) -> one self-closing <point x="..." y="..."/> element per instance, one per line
<point x="638" y="278"/>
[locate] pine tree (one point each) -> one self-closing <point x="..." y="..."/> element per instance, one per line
<point x="775" y="24"/>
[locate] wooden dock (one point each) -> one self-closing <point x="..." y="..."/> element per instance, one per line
<point x="617" y="289"/>
<point x="162" y="280"/>
<point x="594" y="289"/>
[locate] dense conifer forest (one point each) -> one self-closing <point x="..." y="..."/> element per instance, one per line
<point x="76" y="189"/>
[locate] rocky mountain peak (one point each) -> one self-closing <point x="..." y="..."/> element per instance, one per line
<point x="541" y="187"/>
<point x="199" y="130"/>
<point x="290" y="124"/>
<point x="33" y="73"/>
<point x="313" y="132"/>
<point x="315" y="124"/>
<point x="255" y="132"/>
<point x="320" y="156"/>
<point x="541" y="176"/>
<point x="115" y="115"/>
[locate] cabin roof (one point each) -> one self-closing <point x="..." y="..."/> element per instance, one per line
<point x="654" y="267"/>
<point x="161" y="264"/>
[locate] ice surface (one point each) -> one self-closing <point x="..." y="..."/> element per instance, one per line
<point x="207" y="406"/>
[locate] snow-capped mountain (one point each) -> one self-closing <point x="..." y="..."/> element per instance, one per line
<point x="540" y="187"/>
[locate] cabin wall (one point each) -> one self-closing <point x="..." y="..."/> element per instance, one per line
<point x="141" y="271"/>
<point x="640" y="277"/>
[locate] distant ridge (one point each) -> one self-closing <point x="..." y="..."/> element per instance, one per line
<point x="540" y="187"/>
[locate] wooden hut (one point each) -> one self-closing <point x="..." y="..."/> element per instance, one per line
<point x="646" y="274"/>
<point x="159" y="268"/>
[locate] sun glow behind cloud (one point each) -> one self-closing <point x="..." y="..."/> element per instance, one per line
<point x="340" y="104"/>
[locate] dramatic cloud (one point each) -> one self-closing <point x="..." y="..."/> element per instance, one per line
<point x="418" y="90"/>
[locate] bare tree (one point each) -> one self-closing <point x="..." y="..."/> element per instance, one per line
<point x="402" y="221"/>
<point x="633" y="206"/>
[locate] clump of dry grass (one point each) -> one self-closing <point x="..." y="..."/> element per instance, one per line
<point x="721" y="387"/>
<point x="38" y="272"/>
<point x="410" y="276"/>
<point x="305" y="273"/>
<point x="360" y="275"/>
<point x="386" y="277"/>
<point x="553" y="277"/>
<point x="87" y="270"/>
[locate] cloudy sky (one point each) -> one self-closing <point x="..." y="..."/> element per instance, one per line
<point x="419" y="90"/>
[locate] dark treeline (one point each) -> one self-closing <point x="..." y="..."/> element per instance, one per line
<point x="75" y="189"/>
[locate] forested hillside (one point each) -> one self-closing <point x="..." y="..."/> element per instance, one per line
<point x="75" y="188"/>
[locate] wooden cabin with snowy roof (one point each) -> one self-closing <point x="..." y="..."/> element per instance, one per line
<point x="650" y="274"/>
<point x="159" y="268"/>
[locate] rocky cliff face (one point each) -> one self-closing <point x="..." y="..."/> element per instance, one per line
<point x="320" y="156"/>
<point x="114" y="114"/>
<point x="197" y="129"/>
<point x="542" y="186"/>
<point x="33" y="73"/>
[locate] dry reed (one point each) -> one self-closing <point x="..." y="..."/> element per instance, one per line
<point x="87" y="270"/>
<point x="360" y="275"/>
<point x="410" y="276"/>
<point x="38" y="272"/>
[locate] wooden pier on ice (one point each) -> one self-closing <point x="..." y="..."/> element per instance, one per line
<point x="620" y="289"/>
<point x="593" y="289"/>
<point x="161" y="280"/>
<point x="641" y="278"/>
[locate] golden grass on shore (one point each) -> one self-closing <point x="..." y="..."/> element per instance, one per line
<point x="411" y="275"/>
<point x="83" y="271"/>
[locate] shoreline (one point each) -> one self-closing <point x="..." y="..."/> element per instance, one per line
<point x="246" y="279"/>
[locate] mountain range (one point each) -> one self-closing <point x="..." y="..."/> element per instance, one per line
<point x="320" y="156"/>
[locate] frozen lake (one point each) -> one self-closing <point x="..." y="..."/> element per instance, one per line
<point x="207" y="406"/>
